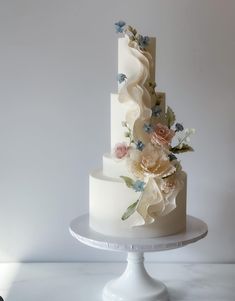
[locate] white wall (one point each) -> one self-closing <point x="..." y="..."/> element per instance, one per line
<point x="58" y="64"/>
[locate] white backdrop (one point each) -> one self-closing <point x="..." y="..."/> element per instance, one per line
<point x="58" y="65"/>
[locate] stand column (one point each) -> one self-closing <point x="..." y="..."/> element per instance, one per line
<point x="135" y="284"/>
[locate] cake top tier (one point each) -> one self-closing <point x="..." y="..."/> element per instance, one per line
<point x="128" y="57"/>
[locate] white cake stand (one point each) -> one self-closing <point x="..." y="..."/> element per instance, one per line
<point x="135" y="284"/>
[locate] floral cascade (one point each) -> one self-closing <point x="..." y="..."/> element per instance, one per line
<point x="150" y="155"/>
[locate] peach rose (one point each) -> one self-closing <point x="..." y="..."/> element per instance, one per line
<point x="120" y="150"/>
<point x="162" y="135"/>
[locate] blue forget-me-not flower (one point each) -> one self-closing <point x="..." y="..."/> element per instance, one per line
<point x="121" y="77"/>
<point x="148" y="128"/>
<point x="156" y="111"/>
<point x="119" y="26"/>
<point x="143" y="41"/>
<point x="179" y="127"/>
<point x="138" y="186"/>
<point x="139" y="145"/>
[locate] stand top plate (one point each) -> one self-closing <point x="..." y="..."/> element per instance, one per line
<point x="196" y="229"/>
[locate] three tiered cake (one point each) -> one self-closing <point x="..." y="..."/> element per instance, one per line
<point x="141" y="190"/>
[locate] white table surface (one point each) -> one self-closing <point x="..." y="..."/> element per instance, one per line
<point x="84" y="281"/>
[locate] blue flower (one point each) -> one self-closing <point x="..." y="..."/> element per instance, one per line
<point x="139" y="145"/>
<point x="138" y="186"/>
<point x="121" y="77"/>
<point x="156" y="111"/>
<point x="119" y="26"/>
<point x="179" y="127"/>
<point x="148" y="128"/>
<point x="172" y="157"/>
<point x="143" y="41"/>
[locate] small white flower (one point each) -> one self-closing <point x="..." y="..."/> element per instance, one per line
<point x="190" y="131"/>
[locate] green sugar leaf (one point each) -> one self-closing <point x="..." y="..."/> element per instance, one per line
<point x="181" y="149"/>
<point x="130" y="210"/>
<point x="129" y="182"/>
<point x="170" y="117"/>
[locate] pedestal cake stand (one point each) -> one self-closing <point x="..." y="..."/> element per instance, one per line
<point x="135" y="284"/>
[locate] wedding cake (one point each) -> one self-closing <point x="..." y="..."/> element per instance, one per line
<point x="141" y="189"/>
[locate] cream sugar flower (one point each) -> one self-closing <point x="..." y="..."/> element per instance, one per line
<point x="153" y="161"/>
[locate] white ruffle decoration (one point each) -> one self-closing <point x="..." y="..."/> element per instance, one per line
<point x="135" y="94"/>
<point x="154" y="202"/>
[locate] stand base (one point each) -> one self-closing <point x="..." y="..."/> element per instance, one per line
<point x="135" y="284"/>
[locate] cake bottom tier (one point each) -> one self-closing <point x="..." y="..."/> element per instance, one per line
<point x="109" y="199"/>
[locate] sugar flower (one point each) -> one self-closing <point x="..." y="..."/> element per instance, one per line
<point x="139" y="145"/>
<point x="156" y="111"/>
<point x="148" y="128"/>
<point x="168" y="184"/>
<point x="179" y="127"/>
<point x="121" y="77"/>
<point x="162" y="135"/>
<point x="120" y="150"/>
<point x="188" y="133"/>
<point x="119" y="26"/>
<point x="138" y="186"/>
<point x="143" y="41"/>
<point x="153" y="161"/>
<point x="186" y="138"/>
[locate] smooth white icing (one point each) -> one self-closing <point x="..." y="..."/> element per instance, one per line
<point x="109" y="199"/>
<point x="118" y="112"/>
<point x="115" y="168"/>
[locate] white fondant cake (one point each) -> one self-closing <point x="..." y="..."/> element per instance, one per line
<point x="141" y="189"/>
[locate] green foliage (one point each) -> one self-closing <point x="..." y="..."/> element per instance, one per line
<point x="181" y="149"/>
<point x="170" y="117"/>
<point x="128" y="133"/>
<point x="129" y="182"/>
<point x="130" y="210"/>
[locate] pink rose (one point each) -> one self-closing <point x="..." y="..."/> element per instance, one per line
<point x="121" y="150"/>
<point x="162" y="135"/>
